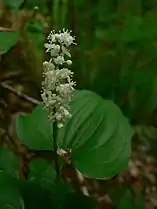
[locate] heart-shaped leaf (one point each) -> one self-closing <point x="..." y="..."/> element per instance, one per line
<point x="35" y="130"/>
<point x="98" y="134"/>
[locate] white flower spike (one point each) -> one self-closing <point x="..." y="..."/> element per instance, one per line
<point x="57" y="86"/>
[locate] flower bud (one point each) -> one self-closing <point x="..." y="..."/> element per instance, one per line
<point x="69" y="62"/>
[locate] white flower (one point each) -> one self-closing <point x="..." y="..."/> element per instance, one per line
<point x="60" y="125"/>
<point x="66" y="38"/>
<point x="59" y="60"/>
<point x="57" y="86"/>
<point x="65" y="90"/>
<point x="65" y="51"/>
<point x="53" y="49"/>
<point x="63" y="37"/>
<point x="48" y="46"/>
<point x="50" y="80"/>
<point x="52" y="37"/>
<point x="48" y="65"/>
<point x="65" y="73"/>
<point x="58" y="116"/>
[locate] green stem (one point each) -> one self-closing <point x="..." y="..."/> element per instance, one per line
<point x="55" y="149"/>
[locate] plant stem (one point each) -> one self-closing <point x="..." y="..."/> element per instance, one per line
<point x="55" y="149"/>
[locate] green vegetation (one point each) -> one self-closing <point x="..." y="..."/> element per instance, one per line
<point x="115" y="68"/>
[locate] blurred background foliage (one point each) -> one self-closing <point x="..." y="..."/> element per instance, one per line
<point x="116" y="54"/>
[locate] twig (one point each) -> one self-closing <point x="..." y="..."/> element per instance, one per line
<point x="5" y="29"/>
<point x="20" y="94"/>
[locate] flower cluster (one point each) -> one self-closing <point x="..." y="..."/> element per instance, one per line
<point x="57" y="86"/>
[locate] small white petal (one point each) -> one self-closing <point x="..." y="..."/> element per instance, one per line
<point x="48" y="46"/>
<point x="57" y="36"/>
<point x="60" y="125"/>
<point x="59" y="60"/>
<point x="61" y="152"/>
<point x="65" y="51"/>
<point x="69" y="62"/>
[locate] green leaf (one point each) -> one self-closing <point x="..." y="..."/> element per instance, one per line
<point x="38" y="190"/>
<point x="117" y="192"/>
<point x="35" y="130"/>
<point x="62" y="197"/>
<point x="42" y="172"/>
<point x="36" y="197"/>
<point x="8" y="162"/>
<point x="14" y="4"/>
<point x="98" y="134"/>
<point x="149" y="27"/>
<point x="61" y="191"/>
<point x="38" y="167"/>
<point x="131" y="30"/>
<point x="43" y="190"/>
<point x="127" y="200"/>
<point x="9" y="197"/>
<point x="7" y="40"/>
<point x="42" y="183"/>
